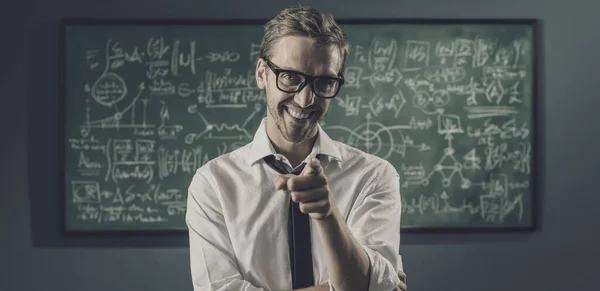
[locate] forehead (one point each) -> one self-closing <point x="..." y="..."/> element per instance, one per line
<point x="302" y="54"/>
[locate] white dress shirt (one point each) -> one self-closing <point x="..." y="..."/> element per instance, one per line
<point x="238" y="222"/>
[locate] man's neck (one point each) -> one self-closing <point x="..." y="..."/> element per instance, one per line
<point x="294" y="152"/>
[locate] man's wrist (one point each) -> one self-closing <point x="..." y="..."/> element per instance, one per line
<point x="328" y="220"/>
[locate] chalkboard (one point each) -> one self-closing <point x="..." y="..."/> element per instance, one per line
<point x="450" y="103"/>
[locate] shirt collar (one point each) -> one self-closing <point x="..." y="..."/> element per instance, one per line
<point x="261" y="145"/>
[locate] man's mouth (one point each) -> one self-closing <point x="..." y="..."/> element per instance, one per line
<point x="297" y="113"/>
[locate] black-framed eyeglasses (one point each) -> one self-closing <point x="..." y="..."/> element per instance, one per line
<point x="289" y="81"/>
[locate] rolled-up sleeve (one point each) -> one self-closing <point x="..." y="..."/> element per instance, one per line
<point x="375" y="223"/>
<point x="213" y="264"/>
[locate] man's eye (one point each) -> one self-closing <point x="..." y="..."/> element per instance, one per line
<point x="288" y="76"/>
<point x="326" y="84"/>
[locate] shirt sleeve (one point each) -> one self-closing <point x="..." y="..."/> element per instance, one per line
<point x="375" y="223"/>
<point x="213" y="264"/>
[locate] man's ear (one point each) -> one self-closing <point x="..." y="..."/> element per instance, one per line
<point x="260" y="74"/>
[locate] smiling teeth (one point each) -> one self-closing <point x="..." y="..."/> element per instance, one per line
<point x="297" y="114"/>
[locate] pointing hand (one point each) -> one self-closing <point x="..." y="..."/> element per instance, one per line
<point x="310" y="189"/>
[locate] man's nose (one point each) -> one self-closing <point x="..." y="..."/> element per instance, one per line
<point x="305" y="97"/>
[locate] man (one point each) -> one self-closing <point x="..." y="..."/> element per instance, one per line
<point x="238" y="210"/>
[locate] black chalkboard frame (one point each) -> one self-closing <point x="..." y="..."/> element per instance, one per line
<point x="536" y="165"/>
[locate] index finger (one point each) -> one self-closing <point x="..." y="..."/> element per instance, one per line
<point x="313" y="167"/>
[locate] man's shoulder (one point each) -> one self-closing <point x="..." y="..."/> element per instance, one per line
<point x="355" y="157"/>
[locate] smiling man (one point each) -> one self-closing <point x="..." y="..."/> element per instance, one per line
<point x="295" y="209"/>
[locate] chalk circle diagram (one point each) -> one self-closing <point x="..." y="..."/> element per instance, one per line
<point x="431" y="103"/>
<point x="109" y="89"/>
<point x="371" y="137"/>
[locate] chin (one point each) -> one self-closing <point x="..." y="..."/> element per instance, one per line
<point x="297" y="133"/>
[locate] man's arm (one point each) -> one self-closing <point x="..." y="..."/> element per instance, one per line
<point x="375" y="225"/>
<point x="212" y="260"/>
<point x="347" y="262"/>
<point x="362" y="254"/>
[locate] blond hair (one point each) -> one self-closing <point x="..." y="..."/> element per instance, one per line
<point x="304" y="21"/>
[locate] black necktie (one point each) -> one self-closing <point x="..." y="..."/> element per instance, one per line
<point x="298" y="235"/>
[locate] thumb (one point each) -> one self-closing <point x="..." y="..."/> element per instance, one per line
<point x="281" y="181"/>
<point x="313" y="167"/>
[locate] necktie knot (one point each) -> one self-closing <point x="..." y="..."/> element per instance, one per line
<point x="280" y="167"/>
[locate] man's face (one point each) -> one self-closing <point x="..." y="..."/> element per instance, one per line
<point x="296" y="114"/>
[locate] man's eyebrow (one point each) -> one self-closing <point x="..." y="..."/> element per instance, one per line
<point x="320" y="75"/>
<point x="286" y="68"/>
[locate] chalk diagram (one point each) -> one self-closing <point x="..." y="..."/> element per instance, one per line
<point x="378" y="139"/>
<point x="110" y="91"/>
<point x="493" y="206"/>
<point x="114" y="101"/>
<point x="375" y="138"/>
<point x="448" y="166"/>
<point x="167" y="131"/>
<point x="431" y="104"/>
<point x="223" y="131"/>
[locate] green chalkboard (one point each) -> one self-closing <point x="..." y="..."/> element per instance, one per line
<point x="450" y="103"/>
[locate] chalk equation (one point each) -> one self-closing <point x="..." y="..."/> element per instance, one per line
<point x="131" y="204"/>
<point x="451" y="113"/>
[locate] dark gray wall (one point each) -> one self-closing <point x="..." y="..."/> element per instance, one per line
<point x="563" y="255"/>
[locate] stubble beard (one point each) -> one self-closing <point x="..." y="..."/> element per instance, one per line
<point x="277" y="111"/>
